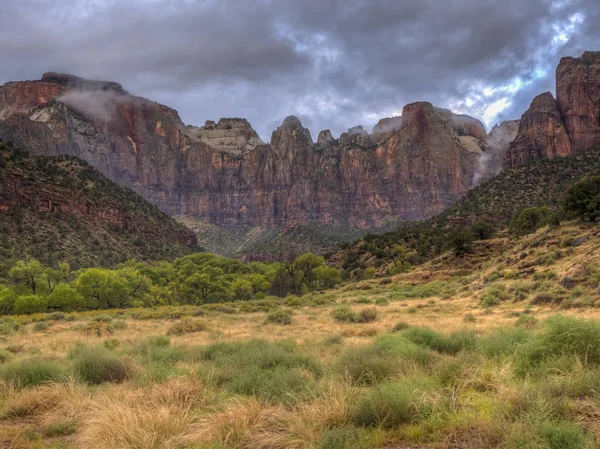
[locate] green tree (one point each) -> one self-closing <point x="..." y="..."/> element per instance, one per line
<point x="66" y="298"/>
<point x="242" y="288"/>
<point x="28" y="274"/>
<point x="460" y="240"/>
<point x="531" y="219"/>
<point x="25" y="305"/>
<point x="202" y="288"/>
<point x="483" y="230"/>
<point x="7" y="300"/>
<point x="54" y="277"/>
<point x="583" y="199"/>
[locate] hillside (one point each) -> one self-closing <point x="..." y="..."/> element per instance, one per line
<point x="497" y="201"/>
<point x="60" y="208"/>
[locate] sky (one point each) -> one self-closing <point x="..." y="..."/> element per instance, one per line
<point x="332" y="63"/>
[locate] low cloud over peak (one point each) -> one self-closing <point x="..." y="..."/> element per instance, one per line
<point x="333" y="63"/>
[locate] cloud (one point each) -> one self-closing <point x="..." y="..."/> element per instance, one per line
<point x="339" y="63"/>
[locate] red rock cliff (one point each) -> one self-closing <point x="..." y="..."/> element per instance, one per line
<point x="411" y="167"/>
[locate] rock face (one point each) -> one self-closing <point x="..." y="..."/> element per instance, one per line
<point x="411" y="167"/>
<point x="568" y="125"/>
<point x="541" y="134"/>
<point x="578" y="96"/>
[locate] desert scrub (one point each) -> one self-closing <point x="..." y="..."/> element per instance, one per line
<point x="503" y="341"/>
<point x="187" y="326"/>
<point x="41" y="326"/>
<point x="97" y="329"/>
<point x="494" y="295"/>
<point x="561" y="337"/>
<point x="344" y="314"/>
<point x="283" y="317"/>
<point x="276" y="372"/>
<point x="395" y="403"/>
<point x="98" y="365"/>
<point x="33" y="371"/>
<point x="367" y="315"/>
<point x="451" y="344"/>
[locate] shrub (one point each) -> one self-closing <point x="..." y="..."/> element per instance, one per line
<point x="119" y="324"/>
<point x="561" y="337"/>
<point x="103" y="318"/>
<point x="367" y="315"/>
<point x="460" y="240"/>
<point x="56" y="316"/>
<point x="494" y="295"/>
<point x="283" y="317"/>
<point x="98" y="365"/>
<point x="112" y="343"/>
<point x="531" y="219"/>
<point x="381" y="302"/>
<point x="344" y="314"/>
<point x="483" y="230"/>
<point x="400" y="326"/>
<point x="543" y="298"/>
<point x="186" y="326"/>
<point x="393" y="404"/>
<point x="363" y="300"/>
<point x="41" y="326"/>
<point x="5" y="356"/>
<point x="562" y="435"/>
<point x="583" y="199"/>
<point x="33" y="371"/>
<point x="526" y="321"/>
<point x="367" y="365"/>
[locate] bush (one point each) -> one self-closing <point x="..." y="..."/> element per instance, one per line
<point x="41" y="326"/>
<point x="561" y="337"/>
<point x="34" y="371"/>
<point x="400" y="326"/>
<point x="344" y="314"/>
<point x="112" y="343"/>
<point x="367" y="315"/>
<point x="494" y="295"/>
<point x="5" y="356"/>
<point x="543" y="298"/>
<point x="393" y="404"/>
<point x="103" y="318"/>
<point x="526" y="321"/>
<point x="98" y="365"/>
<point x="562" y="435"/>
<point x="531" y="219"/>
<point x="186" y="326"/>
<point x="283" y="317"/>
<point x="583" y="199"/>
<point x="119" y="324"/>
<point x="460" y="240"/>
<point x="367" y="365"/>
<point x="483" y="230"/>
<point x="56" y="316"/>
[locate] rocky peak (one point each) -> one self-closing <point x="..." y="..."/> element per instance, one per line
<point x="291" y="130"/>
<point x="358" y="136"/>
<point x="325" y="139"/>
<point x="465" y="125"/>
<point x="541" y="133"/>
<point x="76" y="82"/>
<point x="578" y="96"/>
<point x="233" y="136"/>
<point x="386" y="127"/>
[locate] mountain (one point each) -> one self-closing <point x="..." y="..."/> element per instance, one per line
<point x="60" y="208"/>
<point x="223" y="177"/>
<point x="569" y="124"/>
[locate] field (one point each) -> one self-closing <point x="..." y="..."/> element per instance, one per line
<point x="496" y="348"/>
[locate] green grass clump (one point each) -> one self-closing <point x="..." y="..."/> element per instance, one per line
<point x="56" y="316"/>
<point x="98" y="365"/>
<point x="277" y="371"/>
<point x="33" y="371"/>
<point x="5" y="356"/>
<point x="350" y="438"/>
<point x="283" y="317"/>
<point x="502" y="341"/>
<point x="187" y="326"/>
<point x="561" y="337"/>
<point x="367" y="365"/>
<point x="444" y="344"/>
<point x="395" y="403"/>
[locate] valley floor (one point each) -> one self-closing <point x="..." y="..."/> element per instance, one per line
<point x="497" y="348"/>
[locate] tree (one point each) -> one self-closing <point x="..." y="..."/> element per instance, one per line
<point x="25" y="305"/>
<point x="28" y="274"/>
<point x="326" y="277"/>
<point x="7" y="300"/>
<point x="66" y="298"/>
<point x="483" y="230"/>
<point x="54" y="277"/>
<point x="102" y="289"/>
<point x="460" y="240"/>
<point x="242" y="288"/>
<point x="583" y="199"/>
<point x="201" y="287"/>
<point x="531" y="219"/>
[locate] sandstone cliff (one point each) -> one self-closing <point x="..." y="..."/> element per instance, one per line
<point x="568" y="125"/>
<point x="411" y="167"/>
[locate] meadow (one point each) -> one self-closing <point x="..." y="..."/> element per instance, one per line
<point x="496" y="348"/>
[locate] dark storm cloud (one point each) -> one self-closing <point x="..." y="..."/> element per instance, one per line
<point x="334" y="63"/>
